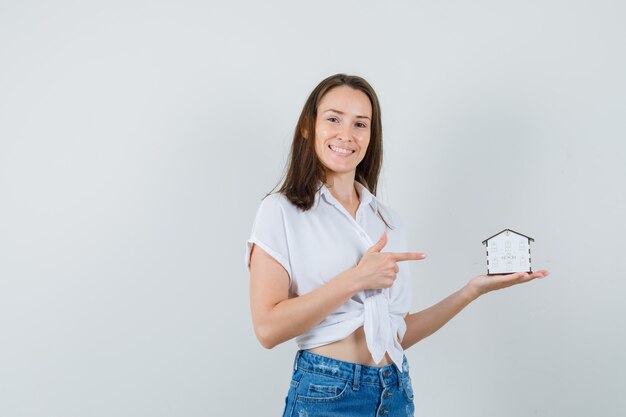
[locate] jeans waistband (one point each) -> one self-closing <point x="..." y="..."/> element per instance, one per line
<point x="383" y="376"/>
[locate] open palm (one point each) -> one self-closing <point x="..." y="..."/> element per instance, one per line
<point x="483" y="284"/>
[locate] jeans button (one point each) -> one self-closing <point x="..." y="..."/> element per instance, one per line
<point x="387" y="394"/>
<point x="386" y="374"/>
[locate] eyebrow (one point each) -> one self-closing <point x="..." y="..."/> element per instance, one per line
<point x="342" y="113"/>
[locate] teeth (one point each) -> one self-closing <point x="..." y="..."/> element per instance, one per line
<point x="340" y="150"/>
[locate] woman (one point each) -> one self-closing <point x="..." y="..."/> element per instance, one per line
<point x="327" y="265"/>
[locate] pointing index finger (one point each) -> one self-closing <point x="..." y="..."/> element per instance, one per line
<point x="407" y="256"/>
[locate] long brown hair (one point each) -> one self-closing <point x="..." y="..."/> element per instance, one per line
<point x="304" y="170"/>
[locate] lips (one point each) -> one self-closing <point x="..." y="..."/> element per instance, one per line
<point x="341" y="151"/>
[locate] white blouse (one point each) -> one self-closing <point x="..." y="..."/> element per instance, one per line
<point x="316" y="245"/>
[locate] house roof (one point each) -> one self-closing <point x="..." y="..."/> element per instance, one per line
<point x="517" y="233"/>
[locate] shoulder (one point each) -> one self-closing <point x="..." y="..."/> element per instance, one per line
<point x="275" y="205"/>
<point x="391" y="216"/>
<point x="276" y="200"/>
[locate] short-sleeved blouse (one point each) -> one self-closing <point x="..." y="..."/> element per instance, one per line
<point x="316" y="245"/>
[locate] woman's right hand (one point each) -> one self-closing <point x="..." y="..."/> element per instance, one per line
<point x="378" y="269"/>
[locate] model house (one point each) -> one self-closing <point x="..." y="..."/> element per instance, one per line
<point x="508" y="252"/>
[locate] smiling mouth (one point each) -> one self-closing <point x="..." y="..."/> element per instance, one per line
<point x="341" y="150"/>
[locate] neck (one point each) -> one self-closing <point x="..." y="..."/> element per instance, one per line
<point x="343" y="189"/>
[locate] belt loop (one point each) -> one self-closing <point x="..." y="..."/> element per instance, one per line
<point x="357" y="377"/>
<point x="400" y="375"/>
<point x="295" y="362"/>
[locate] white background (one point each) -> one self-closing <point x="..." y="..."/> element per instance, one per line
<point x="137" y="139"/>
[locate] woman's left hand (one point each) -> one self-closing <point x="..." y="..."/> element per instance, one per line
<point x="483" y="284"/>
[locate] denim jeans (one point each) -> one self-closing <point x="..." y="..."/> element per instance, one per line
<point x="322" y="386"/>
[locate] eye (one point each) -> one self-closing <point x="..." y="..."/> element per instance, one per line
<point x="333" y="119"/>
<point x="361" y="125"/>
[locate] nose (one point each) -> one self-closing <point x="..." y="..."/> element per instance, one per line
<point x="345" y="132"/>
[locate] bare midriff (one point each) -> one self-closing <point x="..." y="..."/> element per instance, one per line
<point x="351" y="349"/>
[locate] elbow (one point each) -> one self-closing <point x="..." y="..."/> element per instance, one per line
<point x="265" y="337"/>
<point x="267" y="343"/>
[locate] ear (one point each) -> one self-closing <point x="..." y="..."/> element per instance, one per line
<point x="304" y="131"/>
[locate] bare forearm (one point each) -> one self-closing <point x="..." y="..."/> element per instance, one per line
<point x="298" y="315"/>
<point x="426" y="322"/>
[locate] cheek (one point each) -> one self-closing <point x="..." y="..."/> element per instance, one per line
<point x="319" y="149"/>
<point x="320" y="138"/>
<point x="364" y="143"/>
<point x="322" y="132"/>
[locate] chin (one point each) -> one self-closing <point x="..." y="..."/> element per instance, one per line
<point x="339" y="170"/>
<point x="335" y="168"/>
